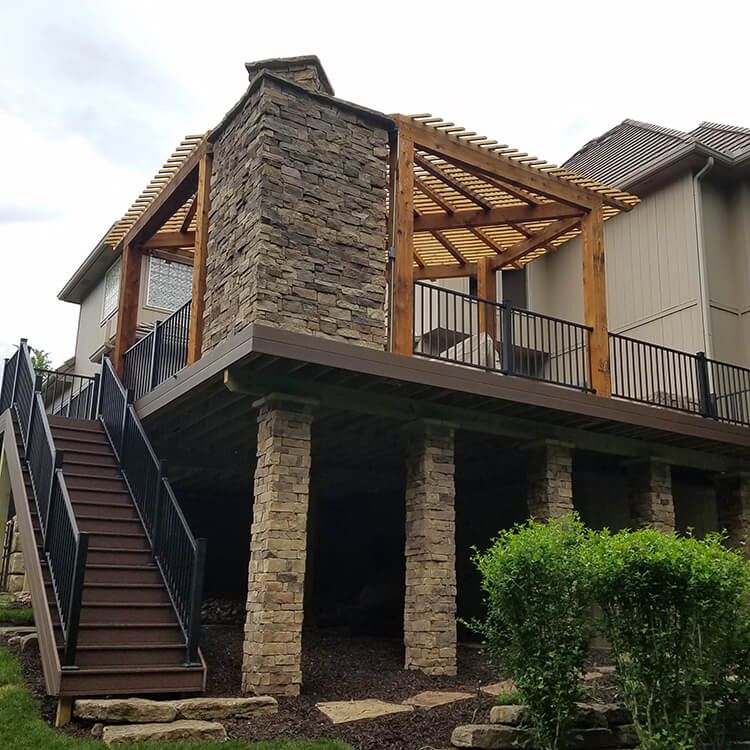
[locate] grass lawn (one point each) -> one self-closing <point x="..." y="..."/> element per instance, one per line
<point x="22" y="727"/>
<point x="16" y="616"/>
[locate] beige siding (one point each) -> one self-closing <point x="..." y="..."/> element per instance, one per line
<point x="652" y="272"/>
<point x="94" y="333"/>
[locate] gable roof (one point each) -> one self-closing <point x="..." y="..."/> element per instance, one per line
<point x="633" y="149"/>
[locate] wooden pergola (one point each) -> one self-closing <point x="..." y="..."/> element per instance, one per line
<point x="465" y="205"/>
<point x="169" y="217"/>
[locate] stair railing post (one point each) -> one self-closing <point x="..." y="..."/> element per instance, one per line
<point x="507" y="347"/>
<point x="76" y="596"/>
<point x="123" y="427"/>
<point x="158" y="503"/>
<point x="46" y="530"/>
<point x="94" y="401"/>
<point x="706" y="403"/>
<point x="15" y="374"/>
<point x="155" y="356"/>
<point x="196" y="594"/>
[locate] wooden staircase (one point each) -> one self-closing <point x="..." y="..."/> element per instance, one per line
<point x="129" y="637"/>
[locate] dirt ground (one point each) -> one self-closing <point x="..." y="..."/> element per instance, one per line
<point x="337" y="666"/>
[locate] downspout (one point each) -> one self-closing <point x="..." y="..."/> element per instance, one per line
<point x="703" y="291"/>
<point x="392" y="248"/>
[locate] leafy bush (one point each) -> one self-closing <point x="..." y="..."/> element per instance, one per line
<point x="10" y="616"/>
<point x="535" y="583"/>
<point x="675" y="614"/>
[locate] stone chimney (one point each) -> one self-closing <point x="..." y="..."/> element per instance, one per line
<point x="305" y="71"/>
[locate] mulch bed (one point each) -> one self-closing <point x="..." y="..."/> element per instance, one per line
<point x="335" y="666"/>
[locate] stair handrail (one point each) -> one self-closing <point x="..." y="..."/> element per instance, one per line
<point x="179" y="556"/>
<point x="64" y="545"/>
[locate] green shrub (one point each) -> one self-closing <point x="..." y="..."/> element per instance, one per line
<point x="535" y="584"/>
<point x="16" y="617"/>
<point x="511" y="698"/>
<point x="675" y="614"/>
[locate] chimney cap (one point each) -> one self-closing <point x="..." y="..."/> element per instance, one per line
<point x="282" y="65"/>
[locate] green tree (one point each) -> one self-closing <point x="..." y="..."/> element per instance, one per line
<point x="40" y="359"/>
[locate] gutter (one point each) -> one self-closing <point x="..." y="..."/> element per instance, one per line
<point x="703" y="291"/>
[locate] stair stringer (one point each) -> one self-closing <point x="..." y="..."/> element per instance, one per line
<point x="11" y="462"/>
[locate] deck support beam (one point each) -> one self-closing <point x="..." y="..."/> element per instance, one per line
<point x="595" y="298"/>
<point x="203" y="206"/>
<point x="402" y="204"/>
<point x="129" y="301"/>
<point x="272" y="652"/>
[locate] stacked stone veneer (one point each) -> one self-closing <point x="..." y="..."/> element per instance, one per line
<point x="733" y="504"/>
<point x="298" y="215"/>
<point x="273" y="629"/>
<point x="650" y="494"/>
<point x="549" y="479"/>
<point x="16" y="564"/>
<point x="430" y="597"/>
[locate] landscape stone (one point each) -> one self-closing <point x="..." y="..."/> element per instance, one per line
<point x="595" y="738"/>
<point x="29" y="642"/>
<point x="432" y="698"/>
<point x="132" y="710"/>
<point x="226" y="708"/>
<point x="97" y="729"/>
<point x="625" y="735"/>
<point x="340" y="712"/>
<point x="499" y="688"/>
<point x="590" y="715"/>
<point x="616" y="713"/>
<point x="513" y="715"/>
<point x="175" y="730"/>
<point x="487" y="736"/>
<point x="592" y="676"/>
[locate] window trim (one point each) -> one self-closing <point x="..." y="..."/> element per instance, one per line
<point x="105" y="316"/>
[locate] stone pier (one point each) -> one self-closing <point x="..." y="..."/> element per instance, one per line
<point x="430" y="597"/>
<point x="549" y="479"/>
<point x="272" y="658"/>
<point x="650" y="494"/>
<point x="733" y="504"/>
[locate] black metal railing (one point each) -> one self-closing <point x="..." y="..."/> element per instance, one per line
<point x="729" y="387"/>
<point x="654" y="374"/>
<point x="67" y="394"/>
<point x="180" y="557"/>
<point x="159" y="354"/>
<point x="65" y="547"/>
<point x="462" y="329"/>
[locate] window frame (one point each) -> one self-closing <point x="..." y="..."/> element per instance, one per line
<point x="105" y="316"/>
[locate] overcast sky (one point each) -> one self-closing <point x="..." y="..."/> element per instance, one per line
<point x="95" y="95"/>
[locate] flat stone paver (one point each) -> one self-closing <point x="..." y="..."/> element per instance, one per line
<point x="432" y="698"/>
<point x="340" y="712"/>
<point x="498" y="688"/>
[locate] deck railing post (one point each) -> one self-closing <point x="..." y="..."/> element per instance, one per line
<point x="94" y="402"/>
<point x="15" y="374"/>
<point x="76" y="596"/>
<point x="155" y="356"/>
<point x="707" y="403"/>
<point x="196" y="593"/>
<point x="507" y="344"/>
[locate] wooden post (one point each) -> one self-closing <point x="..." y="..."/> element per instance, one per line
<point x="203" y="206"/>
<point x="64" y="710"/>
<point x="402" y="202"/>
<point x="595" y="298"/>
<point x="129" y="302"/>
<point x="486" y="289"/>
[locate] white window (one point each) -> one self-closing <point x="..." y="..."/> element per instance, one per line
<point x="170" y="284"/>
<point x="111" y="289"/>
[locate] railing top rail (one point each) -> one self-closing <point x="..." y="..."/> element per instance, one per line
<point x="144" y="437"/>
<point x="712" y="361"/>
<point x="502" y="305"/>
<point x="67" y="503"/>
<point x="107" y="365"/>
<point x="180" y="515"/>
<point x="60" y="373"/>
<point x="141" y="341"/>
<point x="649" y="343"/>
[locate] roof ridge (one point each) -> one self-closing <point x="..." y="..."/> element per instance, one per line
<point x="721" y="126"/>
<point x="680" y="134"/>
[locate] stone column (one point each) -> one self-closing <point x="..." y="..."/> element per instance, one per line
<point x="16" y="564"/>
<point x="430" y="597"/>
<point x="733" y="505"/>
<point x="272" y="658"/>
<point x="549" y="479"/>
<point x="650" y="494"/>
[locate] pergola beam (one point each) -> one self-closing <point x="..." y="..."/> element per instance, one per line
<point x="189" y="215"/>
<point x="445" y="271"/>
<point x="495" y="217"/>
<point x="450" y="247"/>
<point x="436" y="171"/>
<point x="170" y="240"/>
<point x="433" y="195"/>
